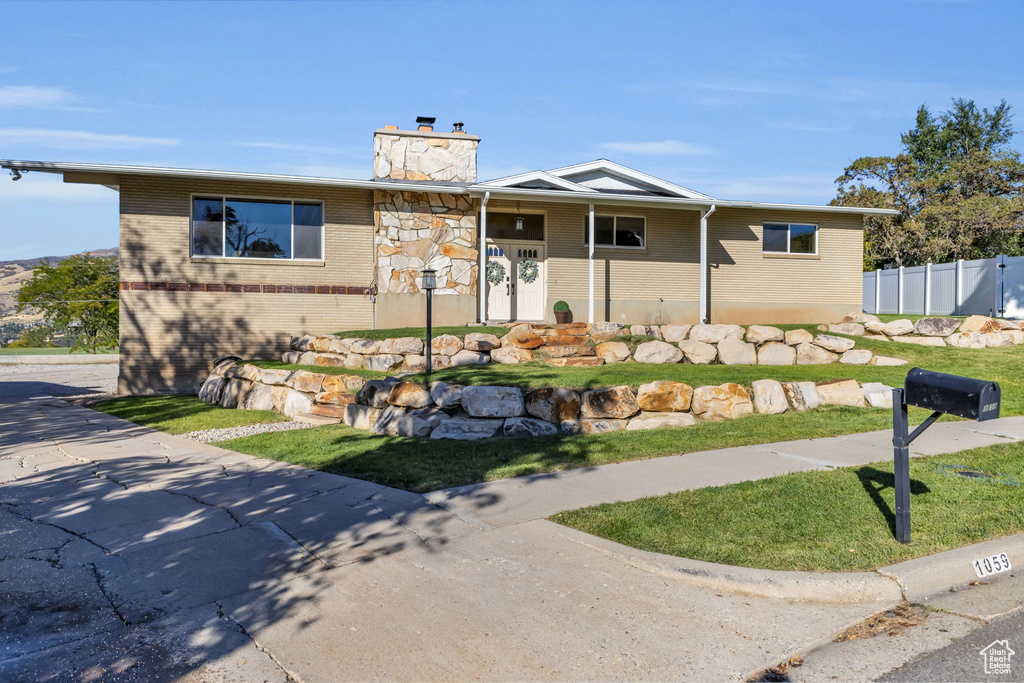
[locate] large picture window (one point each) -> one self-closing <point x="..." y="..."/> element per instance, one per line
<point x="790" y="238"/>
<point x="628" y="232"/>
<point x="257" y="228"/>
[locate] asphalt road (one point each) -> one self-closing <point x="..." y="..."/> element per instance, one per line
<point x="962" y="661"/>
<point x="22" y="381"/>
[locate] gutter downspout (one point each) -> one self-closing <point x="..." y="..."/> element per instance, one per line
<point x="704" y="313"/>
<point x="590" y="259"/>
<point x="482" y="254"/>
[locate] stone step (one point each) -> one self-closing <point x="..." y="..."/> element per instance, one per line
<point x="565" y="340"/>
<point x="574" y="362"/>
<point x="311" y="418"/>
<point x="569" y="350"/>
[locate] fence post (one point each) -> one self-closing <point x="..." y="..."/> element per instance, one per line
<point x="878" y="290"/>
<point x="899" y="292"/>
<point x="928" y="288"/>
<point x="959" y="286"/>
<point x="1000" y="285"/>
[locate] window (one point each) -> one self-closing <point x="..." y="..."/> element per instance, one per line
<point x="257" y="228"/>
<point x="790" y="238"/>
<point x="617" y="231"/>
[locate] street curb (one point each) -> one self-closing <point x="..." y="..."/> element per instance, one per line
<point x="916" y="580"/>
<point x="62" y="359"/>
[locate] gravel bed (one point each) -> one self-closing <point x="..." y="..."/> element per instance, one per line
<point x="212" y="435"/>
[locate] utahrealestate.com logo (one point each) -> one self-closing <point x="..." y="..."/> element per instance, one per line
<point x="997" y="657"/>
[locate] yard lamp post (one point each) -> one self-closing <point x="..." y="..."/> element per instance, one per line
<point x="428" y="286"/>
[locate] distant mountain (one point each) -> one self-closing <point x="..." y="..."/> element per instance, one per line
<point x="14" y="273"/>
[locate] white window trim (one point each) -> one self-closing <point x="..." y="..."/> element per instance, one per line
<point x="615" y="229"/>
<point x="789" y="236"/>
<point x="256" y="259"/>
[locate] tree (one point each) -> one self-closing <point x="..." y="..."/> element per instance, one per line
<point x="958" y="186"/>
<point x="79" y="295"/>
<point x="38" y="337"/>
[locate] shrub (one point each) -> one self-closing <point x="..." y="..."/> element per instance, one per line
<point x="561" y="307"/>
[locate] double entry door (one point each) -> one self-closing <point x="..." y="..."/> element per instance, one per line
<point x="514" y="298"/>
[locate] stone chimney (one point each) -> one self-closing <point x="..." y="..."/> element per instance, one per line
<point x="424" y="154"/>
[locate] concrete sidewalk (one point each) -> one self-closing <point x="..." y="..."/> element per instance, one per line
<point x="60" y="359"/>
<point x="512" y="501"/>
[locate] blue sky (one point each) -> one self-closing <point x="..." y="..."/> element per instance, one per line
<point x="740" y="100"/>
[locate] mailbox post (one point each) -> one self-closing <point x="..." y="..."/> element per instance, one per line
<point x="944" y="394"/>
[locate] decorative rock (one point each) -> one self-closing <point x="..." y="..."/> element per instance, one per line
<point x="724" y="402"/>
<point x="734" y="351"/>
<point x="466" y="429"/>
<point x="697" y="352"/>
<point x="835" y="344"/>
<point x="564" y="340"/>
<point x="554" y="404"/>
<point x="573" y="362"/>
<point x="802" y="396"/>
<point x="410" y="395"/>
<point x="885" y="360"/>
<point x="292" y="357"/>
<point x="794" y="337"/>
<point x="303" y="343"/>
<point x="387" y="421"/>
<point x="645" y="331"/>
<point x="1009" y="325"/>
<point x="997" y="339"/>
<point x="1016" y="336"/>
<point x="840" y="392"/>
<point x="211" y="390"/>
<point x="966" y="340"/>
<point x="233" y="391"/>
<point x="510" y="355"/>
<point x="981" y="324"/>
<point x="759" y="334"/>
<point x="376" y="392"/>
<point x="297" y="403"/>
<point x="480" y="341"/>
<point x="646" y="421"/>
<point x="920" y="341"/>
<point x="774" y="353"/>
<point x="657" y="352"/>
<point x="274" y="376"/>
<point x="402" y="346"/>
<point x="257" y="397"/>
<point x="812" y="354"/>
<point x="613" y="402"/>
<point x="664" y="396"/>
<point x="712" y="334"/>
<point x="326" y="360"/>
<point x="570" y="351"/>
<point x="364" y="347"/>
<point x="353" y="361"/>
<point x="571" y="427"/>
<point x="336" y="412"/>
<point x="612" y="351"/>
<point x="490" y="401"/>
<point x="470" y="358"/>
<point x="383" y="362"/>
<point x="320" y="344"/>
<point x="308" y="382"/>
<point x="598" y="426"/>
<point x="279" y="394"/>
<point x="876" y="327"/>
<point x="360" y="416"/>
<point x="896" y="328"/>
<point x="524" y="339"/>
<point x="675" y="333"/>
<point x="936" y="327"/>
<point x="605" y="328"/>
<point x="445" y="345"/>
<point x="859" y="318"/>
<point x="335" y="398"/>
<point x="342" y="347"/>
<point x="528" y="426"/>
<point x="445" y="395"/>
<point x="852" y="329"/>
<point x="877" y="395"/>
<point x="857" y="357"/>
<point x="412" y="364"/>
<point x="769" y="397"/>
<point x="347" y="383"/>
<point x="421" y="422"/>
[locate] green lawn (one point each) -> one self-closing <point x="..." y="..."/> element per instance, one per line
<point x="839" y="520"/>
<point x="56" y="351"/>
<point x="182" y="414"/>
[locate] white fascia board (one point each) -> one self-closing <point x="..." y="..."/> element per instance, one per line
<point x="544" y="176"/>
<point x="619" y="169"/>
<point x="64" y="167"/>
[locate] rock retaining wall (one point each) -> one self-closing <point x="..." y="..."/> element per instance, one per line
<point x="976" y="332"/>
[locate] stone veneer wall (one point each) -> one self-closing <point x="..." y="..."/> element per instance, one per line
<point x="409" y="155"/>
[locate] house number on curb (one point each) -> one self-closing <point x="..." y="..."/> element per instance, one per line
<point x="993" y="564"/>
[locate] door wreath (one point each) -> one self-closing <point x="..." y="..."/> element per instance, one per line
<point x="495" y="272"/>
<point x="528" y="270"/>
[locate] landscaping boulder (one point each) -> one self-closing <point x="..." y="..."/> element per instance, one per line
<point x="774" y="353"/>
<point x="349" y="383"/>
<point x="600" y="426"/>
<point x="657" y="352"/>
<point x="445" y="345"/>
<point x="802" y="396"/>
<point x="724" y="402"/>
<point x="410" y="395"/>
<point x="279" y="395"/>
<point x="491" y="401"/>
<point x="335" y="398"/>
<point x="465" y="357"/>
<point x="612" y="351"/>
<point x="327" y="360"/>
<point x="604" y="331"/>
<point x="966" y="340"/>
<point x="645" y="331"/>
<point x="553" y="404"/>
<point x="364" y="347"/>
<point x="523" y="339"/>
<point x="712" y="334"/>
<point x="528" y="426"/>
<point x="734" y="351"/>
<point x="335" y="412"/>
<point x="936" y="327"/>
<point x="675" y="333"/>
<point x="834" y="344"/>
<point x="383" y="362"/>
<point x="510" y="355"/>
<point x="339" y="346"/>
<point x="613" y="402"/>
<point x="566" y="351"/>
<point x="303" y="343"/>
<point x="645" y="421"/>
<point x="292" y="357"/>
<point x="769" y="397"/>
<point x="481" y="341"/>
<point x="852" y="329"/>
<point x="257" y="397"/>
<point x="859" y="318"/>
<point x="571" y="427"/>
<point x="877" y="395"/>
<point x="297" y="403"/>
<point x="573" y="362"/>
<point x="376" y="392"/>
<point x="1016" y="336"/>
<point x="413" y="363"/>
<point x="360" y="416"/>
<point x="885" y="360"/>
<point x="897" y="328"/>
<point x="402" y="346"/>
<point x="794" y="337"/>
<point x="812" y="354"/>
<point x="309" y="382"/>
<point x="857" y="357"/>
<point x="211" y="389"/>
<point x="320" y="344"/>
<point x="981" y="324"/>
<point x="353" y="361"/>
<point x="664" y="396"/>
<point x="997" y="339"/>
<point x="445" y="395"/>
<point x="274" y="376"/>
<point x="698" y="353"/>
<point x="920" y="341"/>
<point x="1009" y="325"/>
<point x="840" y="392"/>
<point x="466" y="429"/>
<point x="759" y="334"/>
<point x="387" y="421"/>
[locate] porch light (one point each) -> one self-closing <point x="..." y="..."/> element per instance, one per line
<point x="429" y="279"/>
<point x="520" y="223"/>
<point x="428" y="285"/>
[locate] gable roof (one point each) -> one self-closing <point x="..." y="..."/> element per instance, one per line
<point x="607" y="176"/>
<point x="536" y="180"/>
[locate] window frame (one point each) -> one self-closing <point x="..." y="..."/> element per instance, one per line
<point x="789" y="239"/>
<point x="257" y="259"/>
<point x="615" y="230"/>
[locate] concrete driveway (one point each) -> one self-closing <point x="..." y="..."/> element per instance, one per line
<point x="128" y="554"/>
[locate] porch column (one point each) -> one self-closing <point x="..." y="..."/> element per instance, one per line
<point x="482" y="255"/>
<point x="590" y="258"/>
<point x="705" y="316"/>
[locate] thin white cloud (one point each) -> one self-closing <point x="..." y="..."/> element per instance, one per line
<point x="78" y="139"/>
<point x="50" y="187"/>
<point x="34" y="97"/>
<point x="656" y="147"/>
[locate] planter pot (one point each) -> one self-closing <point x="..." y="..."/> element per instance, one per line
<point x="563" y="317"/>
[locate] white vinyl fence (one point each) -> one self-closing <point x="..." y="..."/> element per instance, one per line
<point x="993" y="286"/>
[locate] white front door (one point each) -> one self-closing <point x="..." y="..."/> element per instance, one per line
<point x="514" y="298"/>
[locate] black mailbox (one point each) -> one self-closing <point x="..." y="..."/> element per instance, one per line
<point x="975" y="399"/>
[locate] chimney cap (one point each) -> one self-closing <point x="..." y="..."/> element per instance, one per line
<point x="426" y="120"/>
<point x="458" y="127"/>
